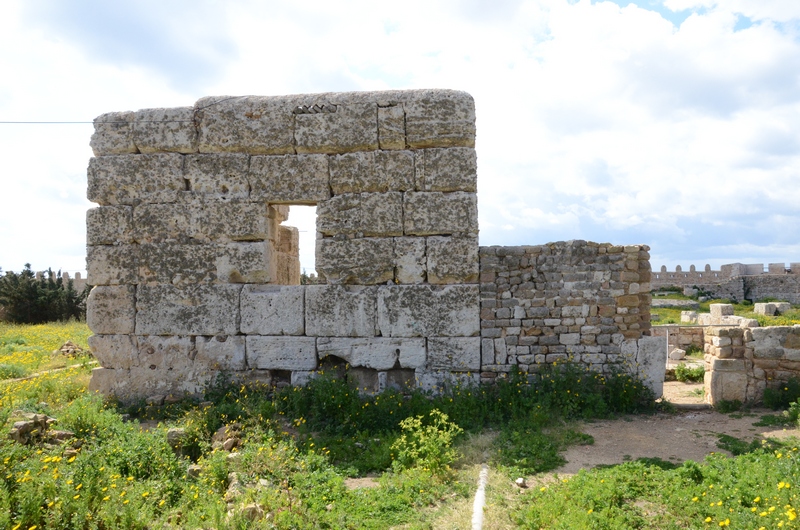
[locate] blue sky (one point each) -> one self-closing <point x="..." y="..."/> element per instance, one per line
<point x="674" y="123"/>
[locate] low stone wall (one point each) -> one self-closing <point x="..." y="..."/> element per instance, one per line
<point x="575" y="300"/>
<point x="778" y="286"/>
<point x="682" y="337"/>
<point x="742" y="362"/>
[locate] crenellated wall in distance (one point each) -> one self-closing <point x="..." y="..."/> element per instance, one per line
<point x="196" y="274"/>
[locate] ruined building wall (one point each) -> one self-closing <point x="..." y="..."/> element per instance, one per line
<point x="195" y="273"/>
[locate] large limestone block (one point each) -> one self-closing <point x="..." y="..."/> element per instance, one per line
<point x="287" y="269"/>
<point x="428" y="311"/>
<point x="221" y="353"/>
<point x="340" y="311"/>
<point x="222" y="175"/>
<point x="439" y="381"/>
<point x="187" y="310"/>
<point x="288" y="240"/>
<point x="362" y="215"/>
<point x="764" y="309"/>
<point x="114" y="351"/>
<point x="436" y="213"/>
<point x="391" y="127"/>
<point x="175" y="263"/>
<point x="104" y="380"/>
<point x="169" y="130"/>
<point x="129" y="179"/>
<point x="452" y="259"/>
<point x="459" y="354"/>
<point x="113" y="134"/>
<point x="411" y="262"/>
<point x="191" y="219"/>
<point x="248" y="124"/>
<point x="273" y="310"/>
<point x="651" y="359"/>
<point x="451" y="169"/>
<point x="721" y="310"/>
<point x="281" y="353"/>
<point x="439" y="118"/>
<point x="109" y="225"/>
<point x="364" y="261"/>
<point x="377" y="353"/>
<point x="110" y="310"/>
<point x="372" y="172"/>
<point x="724" y="384"/>
<point x="165" y="353"/>
<point x="155" y="223"/>
<point x="324" y="127"/>
<point x="297" y="179"/>
<point x="112" y="264"/>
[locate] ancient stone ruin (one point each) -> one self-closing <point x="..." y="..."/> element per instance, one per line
<point x="194" y="273"/>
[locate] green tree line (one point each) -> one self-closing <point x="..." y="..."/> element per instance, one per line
<point x="26" y="299"/>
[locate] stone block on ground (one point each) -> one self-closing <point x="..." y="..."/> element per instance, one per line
<point x="187" y="310"/>
<point x="109" y="225"/>
<point x="459" y="354"/>
<point x="378" y="353"/>
<point x="721" y="310"/>
<point x="451" y="169"/>
<point x="128" y="179"/>
<point x="677" y="354"/>
<point x="452" y="259"/>
<point x="249" y="124"/>
<point x="165" y="130"/>
<point x="296" y="179"/>
<point x="364" y="261"/>
<point x="281" y="353"/>
<point x="113" y="134"/>
<point x="273" y="310"/>
<point x="428" y="311"/>
<point x="110" y="310"/>
<point x="439" y="118"/>
<point x="436" y="213"/>
<point x="782" y="307"/>
<point x="689" y="317"/>
<point x="651" y="359"/>
<point x="340" y="311"/>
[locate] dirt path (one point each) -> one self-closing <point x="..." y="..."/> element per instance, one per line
<point x="684" y="435"/>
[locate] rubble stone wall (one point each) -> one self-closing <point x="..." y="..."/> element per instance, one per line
<point x="681" y="337"/>
<point x="195" y="274"/>
<point x="742" y="362"/>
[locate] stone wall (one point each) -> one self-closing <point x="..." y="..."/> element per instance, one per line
<point x="575" y="300"/>
<point x="682" y="337"/>
<point x="742" y="362"/>
<point x="195" y="274"/>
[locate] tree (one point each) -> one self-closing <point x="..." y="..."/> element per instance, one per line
<point x="30" y="300"/>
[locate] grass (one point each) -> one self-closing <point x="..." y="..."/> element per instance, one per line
<point x="673" y="316"/>
<point x="27" y="349"/>
<point x="299" y="446"/>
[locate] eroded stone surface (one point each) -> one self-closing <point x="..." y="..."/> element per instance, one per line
<point x="114" y="351"/>
<point x="425" y="311"/>
<point x="169" y="130"/>
<point x="372" y="172"/>
<point x="452" y="169"/>
<point x="113" y="134"/>
<point x="128" y="179"/>
<point x="110" y="310"/>
<point x="112" y="264"/>
<point x="281" y="353"/>
<point x="378" y="353"/>
<point x="436" y="213"/>
<point x="362" y="215"/>
<point x="187" y="310"/>
<point x="297" y="179"/>
<point x="222" y="175"/>
<point x="347" y="127"/>
<point x="221" y="353"/>
<point x="273" y="310"/>
<point x="410" y="260"/>
<point x="340" y="311"/>
<point x="363" y="261"/>
<point x="391" y="127"/>
<point x="440" y="118"/>
<point x="109" y="225"/>
<point x="457" y="354"/>
<point x="452" y="259"/>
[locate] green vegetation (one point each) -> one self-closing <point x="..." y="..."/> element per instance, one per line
<point x="28" y="300"/>
<point x="688" y="374"/>
<point x="668" y="315"/>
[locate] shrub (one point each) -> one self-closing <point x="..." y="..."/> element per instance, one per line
<point x="426" y="444"/>
<point x="782" y="396"/>
<point x="687" y="374"/>
<point x="28" y="300"/>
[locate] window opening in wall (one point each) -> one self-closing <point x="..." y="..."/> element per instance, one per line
<point x="303" y="218"/>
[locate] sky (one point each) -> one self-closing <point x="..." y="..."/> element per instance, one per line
<point x="671" y="123"/>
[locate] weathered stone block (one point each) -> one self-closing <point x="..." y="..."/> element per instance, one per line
<point x="154" y="223"/>
<point x="378" y="353"/>
<point x="242" y="262"/>
<point x="452" y="259"/>
<point x="362" y="214"/>
<point x="364" y="261"/>
<point x="128" y="179"/>
<point x="189" y="220"/>
<point x="273" y="310"/>
<point x="721" y="310"/>
<point x="112" y="264"/>
<point x="340" y="311"/>
<point x="221" y="353"/>
<point x="437" y="382"/>
<point x="723" y="385"/>
<point x="372" y="172"/>
<point x="459" y="354"/>
<point x="439" y="118"/>
<point x="114" y="351"/>
<point x="248" y="124"/>
<point x="451" y="169"/>
<point x="174" y="263"/>
<point x="187" y="310"/>
<point x="113" y="134"/>
<point x="110" y="310"/>
<point x="104" y="380"/>
<point x="349" y="127"/>
<point x="166" y="353"/>
<point x="297" y="179"/>
<point x="287" y="269"/>
<point x="763" y="309"/>
<point x="391" y="127"/>
<point x="411" y="262"/>
<point x="109" y="225"/>
<point x="220" y="176"/>
<point x="427" y="311"/>
<point x="281" y="353"/>
<point x="169" y="130"/>
<point x="436" y="213"/>
<point x="651" y="358"/>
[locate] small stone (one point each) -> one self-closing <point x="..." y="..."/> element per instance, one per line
<point x="193" y="471"/>
<point x="253" y="512"/>
<point x="230" y="444"/>
<point x="175" y="437"/>
<point x="156" y="400"/>
<point x="521" y="483"/>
